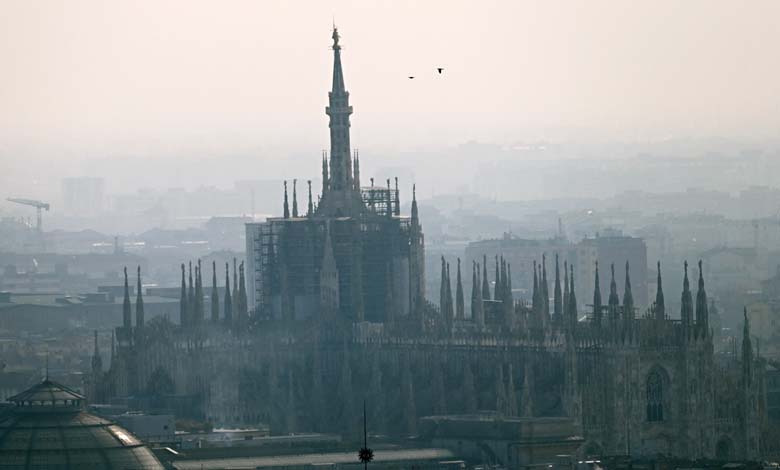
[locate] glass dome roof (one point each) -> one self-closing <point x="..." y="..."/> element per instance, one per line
<point x="48" y="429"/>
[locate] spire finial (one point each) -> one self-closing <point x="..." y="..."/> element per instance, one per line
<point x="286" y="208"/>
<point x="335" y="36"/>
<point x="310" y="207"/>
<point x="295" y="198"/>
<point x="701" y="276"/>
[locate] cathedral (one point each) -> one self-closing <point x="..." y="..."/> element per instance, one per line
<point x="330" y="312"/>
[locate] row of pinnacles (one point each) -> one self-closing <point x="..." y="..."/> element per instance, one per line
<point x="500" y="312"/>
<point x="192" y="304"/>
<point x="192" y="309"/>
<point x="377" y="199"/>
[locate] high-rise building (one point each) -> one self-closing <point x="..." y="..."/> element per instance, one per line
<point x="83" y="196"/>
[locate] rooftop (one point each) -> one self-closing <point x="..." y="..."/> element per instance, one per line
<point x="47" y="428"/>
<point x="313" y="459"/>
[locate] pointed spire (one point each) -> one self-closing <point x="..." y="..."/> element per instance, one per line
<point x="191" y="306"/>
<point x="566" y="303"/>
<point x="214" y="294"/>
<point x="474" y="289"/>
<point x="139" y="304"/>
<point x="450" y="303"/>
<point x="126" y="313"/>
<point x="199" y="294"/>
<point x="660" y="304"/>
<point x="479" y="317"/>
<point x="310" y="206"/>
<point x="356" y="164"/>
<point x="702" y="315"/>
<point x="234" y="294"/>
<point x="338" y="74"/>
<point x="295" y="198"/>
<point x="686" y="303"/>
<point x="286" y="209"/>
<point x="485" y="282"/>
<point x="509" y="297"/>
<point x="443" y="290"/>
<point x="557" y="296"/>
<point x="597" y="298"/>
<point x="397" y="198"/>
<point x="196" y="302"/>
<point x="572" y="300"/>
<point x="324" y="172"/>
<point x="497" y="286"/>
<point x="415" y="214"/>
<point x="614" y="300"/>
<point x="747" y="351"/>
<point x="339" y="111"/>
<point x="183" y="300"/>
<point x="389" y="202"/>
<point x="504" y="280"/>
<point x="243" y="311"/>
<point x="628" y="299"/>
<point x="536" y="296"/>
<point x="228" y="297"/>
<point x="545" y="290"/>
<point x="460" y="307"/>
<point x="95" y="351"/>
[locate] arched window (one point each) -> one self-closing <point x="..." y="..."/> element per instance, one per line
<point x="655" y="396"/>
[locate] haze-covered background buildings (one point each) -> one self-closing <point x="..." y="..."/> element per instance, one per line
<point x="439" y="248"/>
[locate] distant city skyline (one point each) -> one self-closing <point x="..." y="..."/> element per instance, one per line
<point x="188" y="94"/>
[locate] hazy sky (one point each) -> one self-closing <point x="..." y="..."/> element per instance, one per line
<point x="103" y="78"/>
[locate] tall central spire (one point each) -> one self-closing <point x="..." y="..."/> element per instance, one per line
<point x="339" y="110"/>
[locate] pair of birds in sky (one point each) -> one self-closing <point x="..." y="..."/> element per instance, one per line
<point x="438" y="69"/>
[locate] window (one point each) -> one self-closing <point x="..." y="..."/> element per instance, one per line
<point x="655" y="397"/>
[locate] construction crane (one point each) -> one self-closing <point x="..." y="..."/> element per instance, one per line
<point x="39" y="205"/>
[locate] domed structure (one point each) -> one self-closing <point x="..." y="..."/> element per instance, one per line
<point x="48" y="428"/>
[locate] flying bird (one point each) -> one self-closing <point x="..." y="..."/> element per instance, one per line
<point x="440" y="70"/>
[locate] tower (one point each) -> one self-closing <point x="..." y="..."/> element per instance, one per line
<point x="340" y="198"/>
<point x="377" y="253"/>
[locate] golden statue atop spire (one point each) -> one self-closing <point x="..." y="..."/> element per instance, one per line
<point x="336" y="38"/>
